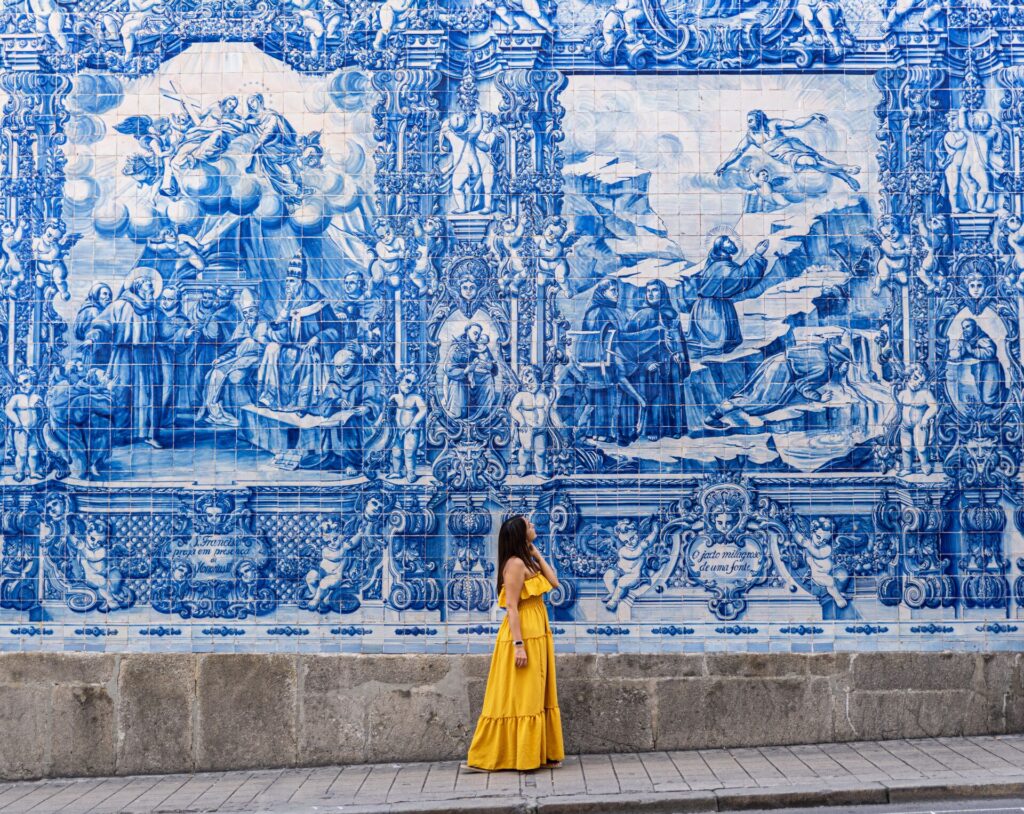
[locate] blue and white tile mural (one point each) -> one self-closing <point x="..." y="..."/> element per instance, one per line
<point x="300" y="298"/>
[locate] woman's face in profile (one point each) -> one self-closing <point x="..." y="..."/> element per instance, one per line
<point x="531" y="532"/>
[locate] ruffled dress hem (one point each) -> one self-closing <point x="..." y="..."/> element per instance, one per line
<point x="533" y="740"/>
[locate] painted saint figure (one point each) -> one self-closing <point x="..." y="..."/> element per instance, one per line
<point x="714" y="323"/>
<point x="238" y="360"/>
<point x="800" y="371"/>
<point x="277" y="150"/>
<point x="354" y="398"/>
<point x="607" y="341"/>
<point x="303" y="336"/>
<point x="207" y="134"/>
<point x="978" y="351"/>
<point x="99" y="297"/>
<point x="469" y="389"/>
<point x="173" y="348"/>
<point x="205" y="337"/>
<point x="129" y="327"/>
<point x="772" y="137"/>
<point x="664" y="363"/>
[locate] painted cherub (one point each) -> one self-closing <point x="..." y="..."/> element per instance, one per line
<point x="621" y="23"/>
<point x="935" y="235"/>
<point x="531" y="415"/>
<point x="99" y="573"/>
<point x="12" y="270"/>
<point x="331" y="570"/>
<point x="50" y="249"/>
<point x="391" y="252"/>
<point x="508" y="241"/>
<point x="632" y="548"/>
<point x="428" y="234"/>
<point x="893" y="261"/>
<point x="505" y="11"/>
<point x="392" y="15"/>
<point x="764" y="195"/>
<point x="24" y="409"/>
<point x="552" y="248"/>
<point x="410" y="412"/>
<point x="933" y="9"/>
<point x="915" y="410"/>
<point x="816" y="539"/>
<point x="1011" y="238"/>
<point x="187" y="251"/>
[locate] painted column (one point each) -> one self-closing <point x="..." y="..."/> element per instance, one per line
<point x="531" y="116"/>
<point x="33" y="179"/>
<point x="407" y="122"/>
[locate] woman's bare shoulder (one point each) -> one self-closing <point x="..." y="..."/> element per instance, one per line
<point x="515" y="565"/>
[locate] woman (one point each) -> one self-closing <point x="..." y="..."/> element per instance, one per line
<point x="520" y="727"/>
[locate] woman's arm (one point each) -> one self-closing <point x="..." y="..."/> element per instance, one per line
<point x="545" y="569"/>
<point x="514" y="577"/>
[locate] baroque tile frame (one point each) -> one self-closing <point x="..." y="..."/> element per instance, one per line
<point x="948" y="536"/>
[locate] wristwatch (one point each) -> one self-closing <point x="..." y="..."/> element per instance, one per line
<point x="517" y="644"/>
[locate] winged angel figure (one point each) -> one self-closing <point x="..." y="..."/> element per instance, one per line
<point x="153" y="167"/>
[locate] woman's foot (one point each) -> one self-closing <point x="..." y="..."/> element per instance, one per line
<point x="552" y="764"/>
<point x="465" y="767"/>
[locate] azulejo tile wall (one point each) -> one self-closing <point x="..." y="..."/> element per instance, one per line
<point x="300" y="298"/>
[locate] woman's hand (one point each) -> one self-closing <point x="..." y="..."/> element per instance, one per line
<point x="521" y="657"/>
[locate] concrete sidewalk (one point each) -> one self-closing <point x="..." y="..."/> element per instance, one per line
<point x="707" y="780"/>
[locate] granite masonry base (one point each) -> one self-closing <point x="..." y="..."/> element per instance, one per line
<point x="82" y="714"/>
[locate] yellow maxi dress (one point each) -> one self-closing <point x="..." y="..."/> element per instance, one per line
<point x="520" y="726"/>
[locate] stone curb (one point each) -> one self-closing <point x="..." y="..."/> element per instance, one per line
<point x="674" y="802"/>
<point x="722" y="800"/>
<point x="802" y="796"/>
<point x="923" y="790"/>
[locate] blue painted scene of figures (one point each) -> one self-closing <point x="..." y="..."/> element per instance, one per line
<point x="299" y="299"/>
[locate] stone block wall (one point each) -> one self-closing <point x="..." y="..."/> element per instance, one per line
<point x="81" y="714"/>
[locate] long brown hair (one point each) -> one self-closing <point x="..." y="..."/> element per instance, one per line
<point x="512" y="542"/>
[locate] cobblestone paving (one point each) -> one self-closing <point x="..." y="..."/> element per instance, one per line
<point x="885" y="772"/>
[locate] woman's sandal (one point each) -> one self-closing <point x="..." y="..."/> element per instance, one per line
<point x="465" y="767"/>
